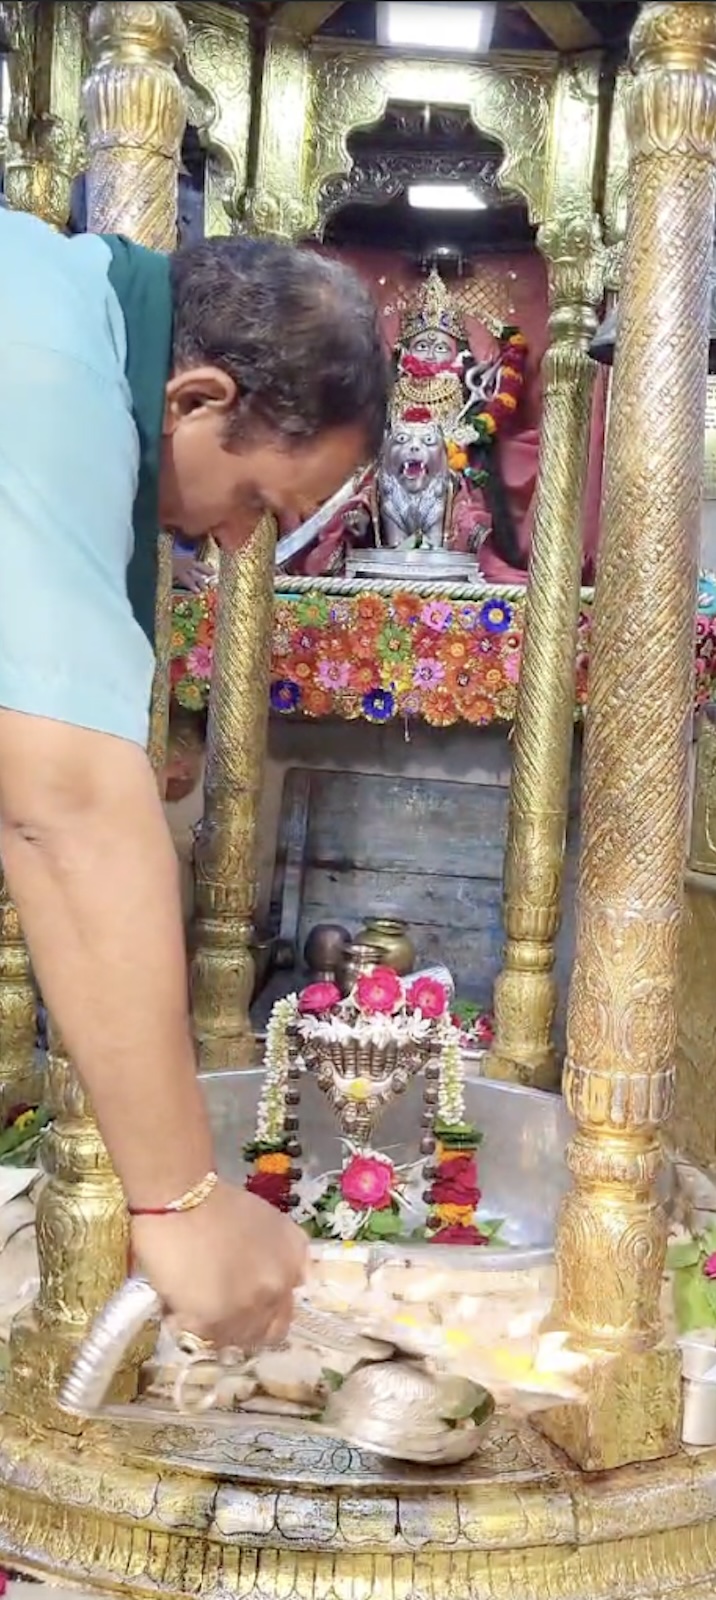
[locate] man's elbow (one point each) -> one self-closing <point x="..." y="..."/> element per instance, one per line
<point x="54" y="777"/>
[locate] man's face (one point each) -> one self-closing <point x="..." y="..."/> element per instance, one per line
<point x="213" y="483"/>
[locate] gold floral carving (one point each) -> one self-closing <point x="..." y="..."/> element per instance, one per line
<point x="621" y="1025"/>
<point x="218" y="57"/>
<point x="222" y="972"/>
<point x="82" y="1240"/>
<point x="314" y="98"/>
<point x="162" y="1507"/>
<point x="615" y="194"/>
<point x="44" y="139"/>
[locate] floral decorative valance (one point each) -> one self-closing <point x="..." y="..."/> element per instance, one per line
<point x="377" y="656"/>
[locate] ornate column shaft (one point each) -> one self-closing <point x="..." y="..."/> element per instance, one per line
<point x="621" y="1032"/>
<point x="18" y="1009"/>
<point x="135" y="110"/>
<point x="222" y="972"/>
<point x="525" y="993"/>
<point x="41" y="159"/>
<point x="44" y="145"/>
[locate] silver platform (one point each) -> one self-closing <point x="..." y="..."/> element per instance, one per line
<point x="523" y="1174"/>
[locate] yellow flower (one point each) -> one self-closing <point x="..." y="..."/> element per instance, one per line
<point x="274" y="1163"/>
<point x="454" y="1216"/>
<point x="359" y="1089"/>
<point x="507" y="400"/>
<point x="441" y="1154"/>
<point x="511" y="372"/>
<point x="24" y="1120"/>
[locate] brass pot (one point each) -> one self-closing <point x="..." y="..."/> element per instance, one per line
<point x="390" y="937"/>
<point x="358" y="958"/>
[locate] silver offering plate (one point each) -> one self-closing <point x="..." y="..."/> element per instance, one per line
<point x="388" y="1404"/>
<point x="404" y="566"/>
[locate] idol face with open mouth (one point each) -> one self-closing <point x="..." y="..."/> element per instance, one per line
<point x="414" y="483"/>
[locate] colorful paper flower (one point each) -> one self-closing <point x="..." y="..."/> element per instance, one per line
<point x="379" y="705"/>
<point x="312" y="611"/>
<point x="428" y="673"/>
<point x="318" y="997"/>
<point x="199" y="660"/>
<point x="428" y="997"/>
<point x="496" y="616"/>
<point x="334" y="675"/>
<point x="379" y="992"/>
<point x="285" y="695"/>
<point x="367" y="1183"/>
<point x="436" y="615"/>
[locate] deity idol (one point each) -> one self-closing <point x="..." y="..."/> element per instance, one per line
<point x="440" y="383"/>
<point x="414" y="487"/>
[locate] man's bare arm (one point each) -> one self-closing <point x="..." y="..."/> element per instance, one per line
<point x="90" y="865"/>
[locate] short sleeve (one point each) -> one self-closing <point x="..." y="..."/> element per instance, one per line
<point x="70" y="649"/>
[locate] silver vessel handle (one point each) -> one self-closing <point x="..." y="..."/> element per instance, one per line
<point x="103" y="1351"/>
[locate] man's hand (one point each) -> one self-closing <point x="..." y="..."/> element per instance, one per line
<point x="225" y="1271"/>
<point x="188" y="573"/>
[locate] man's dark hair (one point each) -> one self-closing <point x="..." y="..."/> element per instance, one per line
<point x="299" y="334"/>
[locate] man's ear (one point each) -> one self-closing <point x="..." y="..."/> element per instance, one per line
<point x="197" y="390"/>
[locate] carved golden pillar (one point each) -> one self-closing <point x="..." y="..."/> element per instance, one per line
<point x="18" y="1009"/>
<point x="135" y="111"/>
<point x="621" y="1032"/>
<point x="525" y="993"/>
<point x="41" y="159"/>
<point x="44" y="146"/>
<point x="222" y="974"/>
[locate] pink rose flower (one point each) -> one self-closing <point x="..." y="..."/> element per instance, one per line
<point x="318" y="997"/>
<point x="429" y="997"/>
<point x="379" y="991"/>
<point x="710" y="1267"/>
<point x="366" y="1184"/>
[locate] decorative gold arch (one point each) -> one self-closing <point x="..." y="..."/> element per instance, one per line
<point x="315" y="97"/>
<point x="218" y="60"/>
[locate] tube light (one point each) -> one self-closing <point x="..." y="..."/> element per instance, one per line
<point x="443" y="197"/>
<point x="459" y="29"/>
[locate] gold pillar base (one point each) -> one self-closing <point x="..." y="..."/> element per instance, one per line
<point x="40" y="1360"/>
<point x="523" y="1051"/>
<point x="633" y="1414"/>
<point x="167" y="1507"/>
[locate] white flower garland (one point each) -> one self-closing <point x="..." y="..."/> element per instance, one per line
<point x="451" y="1093"/>
<point x="272" y="1105"/>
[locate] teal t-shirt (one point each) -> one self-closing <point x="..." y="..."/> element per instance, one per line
<point x="70" y="648"/>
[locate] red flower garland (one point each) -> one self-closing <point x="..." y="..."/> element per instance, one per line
<point x="504" y="402"/>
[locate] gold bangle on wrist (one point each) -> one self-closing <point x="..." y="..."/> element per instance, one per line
<point x="189" y="1201"/>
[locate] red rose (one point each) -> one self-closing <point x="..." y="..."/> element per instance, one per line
<point x="456" y="1235"/>
<point x="710" y="1267"/>
<point x="273" y="1187"/>
<point x="318" y="997"/>
<point x="456" y="1191"/>
<point x="429" y="998"/>
<point x="379" y="991"/>
<point x="366" y="1183"/>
